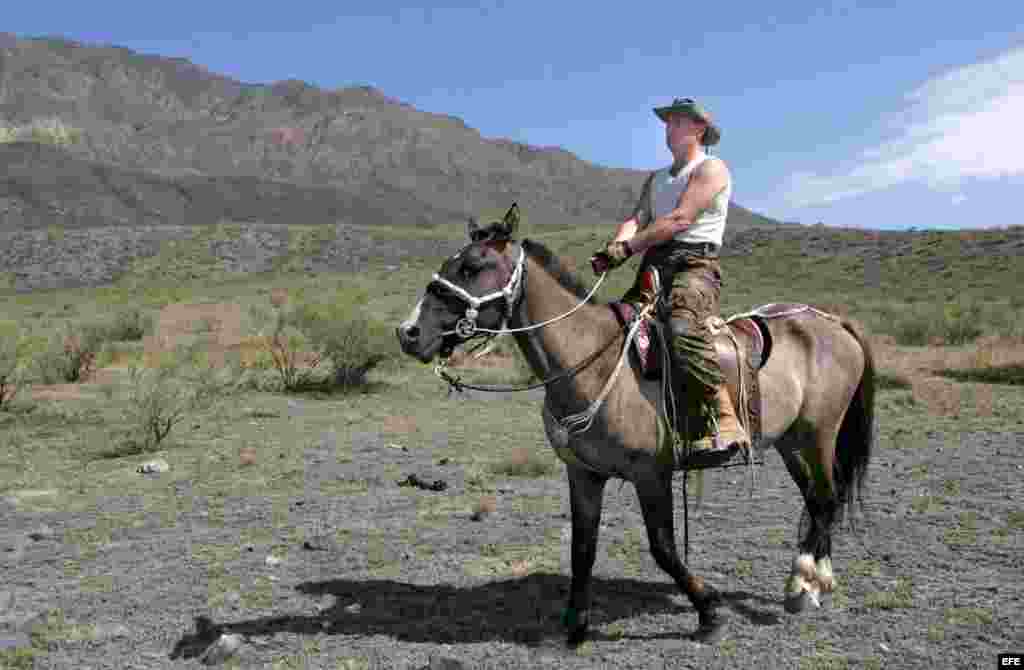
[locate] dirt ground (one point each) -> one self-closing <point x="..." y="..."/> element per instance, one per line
<point x="373" y="585"/>
<point x="346" y="568"/>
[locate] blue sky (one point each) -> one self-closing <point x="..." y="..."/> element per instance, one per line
<point x="853" y="114"/>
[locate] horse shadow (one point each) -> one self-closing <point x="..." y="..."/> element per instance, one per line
<point x="523" y="611"/>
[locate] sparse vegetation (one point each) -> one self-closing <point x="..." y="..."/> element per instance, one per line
<point x="901" y="596"/>
<point x="893" y="381"/>
<point x="44" y="131"/>
<point x="305" y="335"/>
<point x="1011" y="373"/>
<point x="965" y="533"/>
<point x="164" y="397"/>
<point x="969" y="616"/>
<point x="522" y="462"/>
<point x="12" y="372"/>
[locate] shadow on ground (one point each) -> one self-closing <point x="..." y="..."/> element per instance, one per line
<point x="520" y="611"/>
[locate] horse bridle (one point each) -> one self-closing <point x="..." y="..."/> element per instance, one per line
<point x="466" y="327"/>
<point x="511" y="293"/>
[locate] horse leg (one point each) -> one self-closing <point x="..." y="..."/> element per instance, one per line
<point x="586" y="494"/>
<point x="811" y="575"/>
<point x="655" y="494"/>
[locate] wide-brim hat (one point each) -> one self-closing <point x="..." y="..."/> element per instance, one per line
<point x="694" y="110"/>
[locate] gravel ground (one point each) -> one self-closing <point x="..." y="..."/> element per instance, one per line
<point x="330" y="599"/>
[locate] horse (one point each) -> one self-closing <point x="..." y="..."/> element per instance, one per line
<point x="817" y="407"/>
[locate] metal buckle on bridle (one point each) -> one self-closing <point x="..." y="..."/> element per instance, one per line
<point x="466" y="326"/>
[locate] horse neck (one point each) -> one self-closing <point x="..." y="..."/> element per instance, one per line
<point x="566" y="342"/>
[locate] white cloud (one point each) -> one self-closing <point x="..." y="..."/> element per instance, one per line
<point x="959" y="125"/>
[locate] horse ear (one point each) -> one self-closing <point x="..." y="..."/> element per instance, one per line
<point x="511" y="220"/>
<point x="472" y="228"/>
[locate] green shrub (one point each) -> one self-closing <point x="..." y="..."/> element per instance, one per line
<point x="12" y="373"/>
<point x="354" y="347"/>
<point x="1011" y="373"/>
<point x="913" y="329"/>
<point x="284" y="344"/>
<point x="955" y="322"/>
<point x="129" y="325"/>
<point x="70" y="357"/>
<point x="961" y="323"/>
<point x="337" y="335"/>
<point x="890" y="380"/>
<point x="115" y="351"/>
<point x="164" y="397"/>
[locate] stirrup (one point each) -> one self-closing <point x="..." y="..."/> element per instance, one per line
<point x="714" y="458"/>
<point x="712" y="452"/>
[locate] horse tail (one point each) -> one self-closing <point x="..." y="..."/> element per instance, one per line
<point x="857" y="434"/>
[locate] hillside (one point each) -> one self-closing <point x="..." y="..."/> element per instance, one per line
<point x="169" y="126"/>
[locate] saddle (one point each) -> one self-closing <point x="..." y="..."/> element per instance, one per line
<point x="743" y="343"/>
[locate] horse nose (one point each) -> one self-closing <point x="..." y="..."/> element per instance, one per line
<point x="408" y="332"/>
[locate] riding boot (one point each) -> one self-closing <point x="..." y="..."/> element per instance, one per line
<point x="725" y="441"/>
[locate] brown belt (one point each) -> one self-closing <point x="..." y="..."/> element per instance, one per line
<point x="707" y="249"/>
<point x="673" y="254"/>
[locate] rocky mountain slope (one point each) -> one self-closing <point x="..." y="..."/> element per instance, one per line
<point x="162" y="140"/>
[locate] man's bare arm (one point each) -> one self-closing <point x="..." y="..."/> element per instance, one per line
<point x="641" y="214"/>
<point x="707" y="181"/>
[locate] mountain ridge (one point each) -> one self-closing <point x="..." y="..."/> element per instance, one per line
<point x="175" y="119"/>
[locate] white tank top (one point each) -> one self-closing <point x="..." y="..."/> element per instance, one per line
<point x="665" y="191"/>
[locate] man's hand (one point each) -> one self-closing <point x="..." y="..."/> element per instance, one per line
<point x="600" y="263"/>
<point x="618" y="251"/>
<point x="612" y="256"/>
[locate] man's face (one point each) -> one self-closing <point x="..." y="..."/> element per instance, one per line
<point x="682" y="130"/>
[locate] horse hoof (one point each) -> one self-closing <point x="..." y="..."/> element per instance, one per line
<point x="577" y="623"/>
<point x="576" y="638"/>
<point x="710" y="632"/>
<point x="797" y="604"/>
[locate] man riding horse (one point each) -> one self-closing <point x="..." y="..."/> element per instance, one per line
<point x="678" y="225"/>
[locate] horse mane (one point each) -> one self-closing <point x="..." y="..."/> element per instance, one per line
<point x="554" y="266"/>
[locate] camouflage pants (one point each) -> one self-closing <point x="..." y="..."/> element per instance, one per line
<point x="691" y="295"/>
